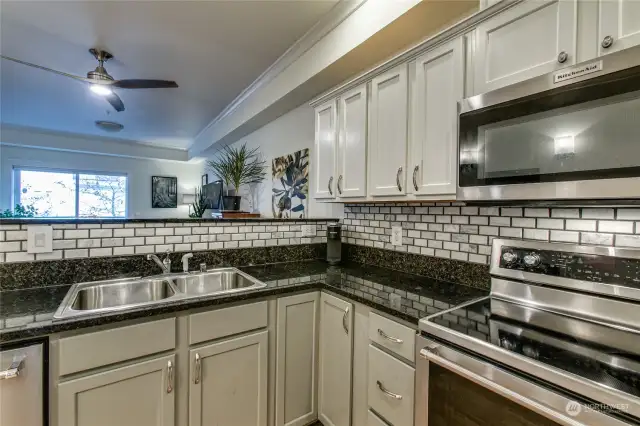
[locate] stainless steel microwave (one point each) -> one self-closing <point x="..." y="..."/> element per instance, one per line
<point x="571" y="134"/>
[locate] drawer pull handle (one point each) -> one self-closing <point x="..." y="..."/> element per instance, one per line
<point x="198" y="370"/>
<point x="386" y="392"/>
<point x="14" y="369"/>
<point x="169" y="377"/>
<point x="389" y="338"/>
<point x="344" y="320"/>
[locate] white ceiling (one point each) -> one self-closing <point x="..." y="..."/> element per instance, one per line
<point x="213" y="49"/>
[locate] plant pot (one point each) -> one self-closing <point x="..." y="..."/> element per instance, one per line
<point x="231" y="202"/>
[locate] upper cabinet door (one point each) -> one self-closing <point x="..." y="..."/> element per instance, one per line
<point x="388" y="133"/>
<point x="528" y="40"/>
<point x="352" y="143"/>
<point x="620" y="20"/>
<point x="324" y="165"/>
<point x="437" y="87"/>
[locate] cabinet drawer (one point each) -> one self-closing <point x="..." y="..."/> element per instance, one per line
<point x="226" y="322"/>
<point x="391" y="335"/>
<point x="85" y="351"/>
<point x="391" y="387"/>
<point x="374" y="420"/>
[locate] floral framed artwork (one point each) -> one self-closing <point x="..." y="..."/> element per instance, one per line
<point x="290" y="192"/>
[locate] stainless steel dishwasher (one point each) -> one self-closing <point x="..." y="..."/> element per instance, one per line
<point x="23" y="372"/>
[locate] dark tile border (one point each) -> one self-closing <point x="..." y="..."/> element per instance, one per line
<point x="50" y="221"/>
<point x="455" y="271"/>
<point x="69" y="271"/>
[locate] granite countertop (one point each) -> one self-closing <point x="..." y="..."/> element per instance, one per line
<point x="29" y="313"/>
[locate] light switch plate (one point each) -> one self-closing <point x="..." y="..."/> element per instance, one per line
<point x="308" y="230"/>
<point x="39" y="239"/>
<point x="396" y="235"/>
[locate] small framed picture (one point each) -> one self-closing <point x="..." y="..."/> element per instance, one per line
<point x="164" y="192"/>
<point x="204" y="179"/>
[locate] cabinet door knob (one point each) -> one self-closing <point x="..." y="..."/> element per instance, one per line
<point x="607" y="42"/>
<point x="415" y="179"/>
<point x="197" y="370"/>
<point x="169" y="377"/>
<point x="338" y="184"/>
<point x="398" y="179"/>
<point x="562" y="57"/>
<point x="329" y="185"/>
<point x="344" y="320"/>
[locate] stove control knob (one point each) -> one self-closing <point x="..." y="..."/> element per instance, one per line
<point x="531" y="260"/>
<point x="509" y="256"/>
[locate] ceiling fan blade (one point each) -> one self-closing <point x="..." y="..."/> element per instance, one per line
<point x="115" y="101"/>
<point x="46" y="69"/>
<point x="144" y="84"/>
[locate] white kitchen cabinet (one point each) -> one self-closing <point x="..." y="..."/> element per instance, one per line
<point x="391" y="387"/>
<point x="527" y="40"/>
<point x="360" y="402"/>
<point x="228" y="382"/>
<point x="620" y="20"/>
<point x="388" y="133"/>
<point x="324" y="154"/>
<point x="141" y="394"/>
<point x="438" y="85"/>
<point x="352" y="143"/>
<point x="296" y="357"/>
<point x="336" y="347"/>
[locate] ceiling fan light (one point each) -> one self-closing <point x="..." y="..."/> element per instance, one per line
<point x="100" y="89"/>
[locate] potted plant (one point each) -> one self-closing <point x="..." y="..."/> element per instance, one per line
<point x="199" y="204"/>
<point x="237" y="166"/>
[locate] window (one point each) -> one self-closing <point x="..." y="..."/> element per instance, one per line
<point x="63" y="193"/>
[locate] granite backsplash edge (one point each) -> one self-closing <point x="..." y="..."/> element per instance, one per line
<point x="22" y="275"/>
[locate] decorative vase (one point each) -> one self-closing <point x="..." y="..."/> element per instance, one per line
<point x="230" y="202"/>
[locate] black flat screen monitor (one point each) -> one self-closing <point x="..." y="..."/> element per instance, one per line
<point x="213" y="194"/>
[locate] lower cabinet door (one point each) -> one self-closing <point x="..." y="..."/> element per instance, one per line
<point x="336" y="346"/>
<point x="296" y="358"/>
<point x="141" y="394"/>
<point x="228" y="382"/>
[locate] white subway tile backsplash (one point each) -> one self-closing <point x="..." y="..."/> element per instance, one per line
<point x="536" y="234"/>
<point x="566" y="213"/>
<point x="597" y="213"/>
<point x="72" y="254"/>
<point x="627" y="240"/>
<point x="536" y="212"/>
<point x="511" y="211"/>
<point x="120" y="251"/>
<point x="565" y="236"/>
<point x="96" y="252"/>
<point x="550" y="223"/>
<point x="500" y="221"/>
<point x="597" y="238"/>
<point x="511" y="232"/>
<point x="18" y="256"/>
<point x="81" y="233"/>
<point x="126" y="232"/>
<point x="628" y="214"/>
<point x="615" y="226"/>
<point x="101" y="233"/>
<point x="580" y="225"/>
<point x="87" y="243"/>
<point x="145" y="232"/>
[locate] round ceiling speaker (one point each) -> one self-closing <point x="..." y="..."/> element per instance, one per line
<point x="109" y="126"/>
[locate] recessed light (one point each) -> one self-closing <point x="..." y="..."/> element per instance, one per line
<point x="109" y="126"/>
<point x="100" y="89"/>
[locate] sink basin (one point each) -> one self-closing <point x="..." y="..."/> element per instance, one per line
<point x="113" y="295"/>
<point x="217" y="281"/>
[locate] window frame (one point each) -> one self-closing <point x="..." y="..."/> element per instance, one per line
<point x="17" y="194"/>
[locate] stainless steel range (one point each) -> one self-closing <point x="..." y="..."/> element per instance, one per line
<point x="558" y="339"/>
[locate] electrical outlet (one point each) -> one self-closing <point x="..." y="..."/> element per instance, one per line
<point x="395" y="301"/>
<point x="308" y="230"/>
<point x="396" y="235"/>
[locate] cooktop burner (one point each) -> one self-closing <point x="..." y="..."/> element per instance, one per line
<point x="547" y="337"/>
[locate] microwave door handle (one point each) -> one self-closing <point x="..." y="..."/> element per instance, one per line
<point x="534" y="397"/>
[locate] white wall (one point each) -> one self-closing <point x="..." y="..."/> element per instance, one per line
<point x="139" y="172"/>
<point x="285" y="135"/>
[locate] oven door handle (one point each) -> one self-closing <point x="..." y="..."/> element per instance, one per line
<point x="523" y="392"/>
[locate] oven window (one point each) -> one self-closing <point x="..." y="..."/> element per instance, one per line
<point x="552" y="139"/>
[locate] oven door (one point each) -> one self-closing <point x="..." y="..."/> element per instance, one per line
<point x="453" y="388"/>
<point x="555" y="136"/>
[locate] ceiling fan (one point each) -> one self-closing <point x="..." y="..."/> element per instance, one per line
<point x="102" y="83"/>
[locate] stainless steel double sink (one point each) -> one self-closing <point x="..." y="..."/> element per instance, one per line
<point x="101" y="297"/>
